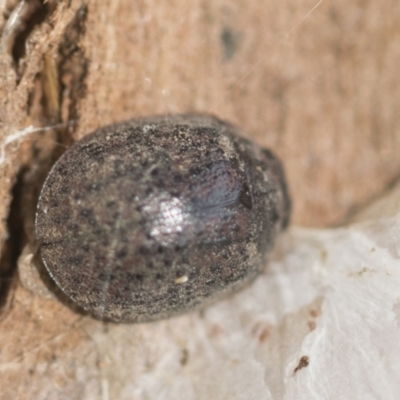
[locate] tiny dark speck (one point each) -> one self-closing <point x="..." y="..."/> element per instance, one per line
<point x="304" y="361"/>
<point x="184" y="357"/>
<point x="229" y="42"/>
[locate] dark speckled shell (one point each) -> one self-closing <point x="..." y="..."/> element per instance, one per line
<point x="148" y="218"/>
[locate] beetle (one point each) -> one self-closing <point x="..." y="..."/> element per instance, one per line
<point x="149" y="218"/>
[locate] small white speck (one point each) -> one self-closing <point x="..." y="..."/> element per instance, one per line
<point x="146" y="128"/>
<point x="45" y="210"/>
<point x="182" y="279"/>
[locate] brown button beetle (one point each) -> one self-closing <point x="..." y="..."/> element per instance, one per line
<point x="148" y="218"/>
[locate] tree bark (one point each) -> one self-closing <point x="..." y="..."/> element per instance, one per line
<point x="314" y="81"/>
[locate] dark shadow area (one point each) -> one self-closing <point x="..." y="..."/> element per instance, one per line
<point x="34" y="13"/>
<point x="72" y="69"/>
<point x="14" y="243"/>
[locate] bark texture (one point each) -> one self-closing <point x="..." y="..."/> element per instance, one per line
<point x="316" y="82"/>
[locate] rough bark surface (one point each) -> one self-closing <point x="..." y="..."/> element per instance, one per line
<point x="316" y="82"/>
